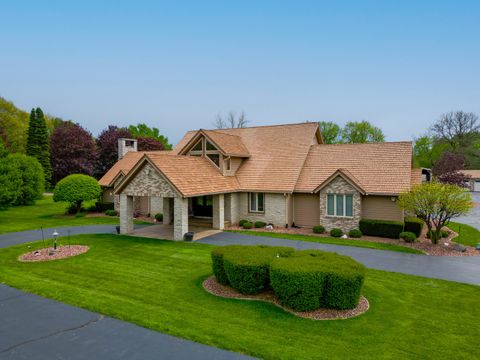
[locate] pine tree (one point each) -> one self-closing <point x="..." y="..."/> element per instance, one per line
<point x="38" y="144"/>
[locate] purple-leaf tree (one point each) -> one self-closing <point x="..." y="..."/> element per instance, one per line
<point x="448" y="169"/>
<point x="107" y="145"/>
<point x="149" y="144"/>
<point x="72" y="151"/>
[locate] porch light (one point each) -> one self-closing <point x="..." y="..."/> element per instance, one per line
<point x="55" y="236"/>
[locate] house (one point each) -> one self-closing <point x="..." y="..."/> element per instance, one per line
<point x="128" y="156"/>
<point x="283" y="175"/>
<point x="474" y="182"/>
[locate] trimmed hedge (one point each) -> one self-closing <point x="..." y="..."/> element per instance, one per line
<point x="260" y="224"/>
<point x="355" y="233"/>
<point x="247" y="225"/>
<point x="241" y="222"/>
<point x="414" y="225"/>
<point x="217" y="262"/>
<point x="336" y="232"/>
<point x="104" y="206"/>
<point x="319" y="229"/>
<point x="310" y="279"/>
<point x="408" y="236"/>
<point x="247" y="267"/>
<point x="383" y="228"/>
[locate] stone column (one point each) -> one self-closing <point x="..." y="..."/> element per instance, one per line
<point x="126" y="214"/>
<point x="166" y="211"/>
<point x="180" y="218"/>
<point x="218" y="212"/>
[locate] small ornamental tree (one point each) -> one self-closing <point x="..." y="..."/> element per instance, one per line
<point x="32" y="178"/>
<point x="73" y="151"/>
<point x="38" y="142"/>
<point x="448" y="169"/>
<point x="107" y="146"/>
<point x="10" y="183"/>
<point x="436" y="204"/>
<point x="75" y="189"/>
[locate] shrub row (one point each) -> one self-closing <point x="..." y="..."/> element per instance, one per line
<point x="302" y="280"/>
<point x="246" y="224"/>
<point x="414" y="225"/>
<point x="384" y="228"/>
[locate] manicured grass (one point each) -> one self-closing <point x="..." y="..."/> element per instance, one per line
<point x="157" y="284"/>
<point x="467" y="235"/>
<point x="335" y="241"/>
<point x="45" y="213"/>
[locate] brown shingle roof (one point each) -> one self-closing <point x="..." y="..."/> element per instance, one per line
<point x="276" y="153"/>
<point x="381" y="168"/>
<point x="416" y="178"/>
<point x="193" y="175"/>
<point x="475" y="174"/>
<point x="229" y="144"/>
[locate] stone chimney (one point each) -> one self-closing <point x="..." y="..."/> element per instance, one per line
<point x="126" y="145"/>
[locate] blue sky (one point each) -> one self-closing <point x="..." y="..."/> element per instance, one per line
<point x="176" y="65"/>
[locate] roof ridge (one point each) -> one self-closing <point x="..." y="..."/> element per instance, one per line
<point x="367" y="144"/>
<point x="265" y="126"/>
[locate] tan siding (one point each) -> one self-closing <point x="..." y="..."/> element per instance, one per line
<point x="235" y="163"/>
<point x="306" y="209"/>
<point x="107" y="195"/>
<point x="290" y="209"/>
<point x="380" y="208"/>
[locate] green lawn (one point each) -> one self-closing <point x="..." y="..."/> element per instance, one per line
<point x="45" y="213"/>
<point x="157" y="284"/>
<point x="467" y="235"/>
<point x="335" y="241"/>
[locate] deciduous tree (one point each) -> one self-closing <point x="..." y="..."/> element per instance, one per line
<point x="144" y="131"/>
<point x="436" y="204"/>
<point x="73" y="151"/>
<point x="231" y="120"/>
<point x="331" y="132"/>
<point x="458" y="128"/>
<point x="32" y="179"/>
<point x="107" y="146"/>
<point x="149" y="144"/>
<point x="361" y="132"/>
<point x="75" y="189"/>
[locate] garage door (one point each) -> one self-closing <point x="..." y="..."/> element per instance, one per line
<point x="306" y="210"/>
<point x="476" y="185"/>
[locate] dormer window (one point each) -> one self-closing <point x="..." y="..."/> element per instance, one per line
<point x="210" y="146"/>
<point x="198" y="146"/>
<point x="215" y="159"/>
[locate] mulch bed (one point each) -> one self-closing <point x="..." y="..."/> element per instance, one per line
<point x="213" y="287"/>
<point x="61" y="252"/>
<point x="445" y="246"/>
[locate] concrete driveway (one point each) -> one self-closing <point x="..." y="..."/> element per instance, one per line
<point x="473" y="218"/>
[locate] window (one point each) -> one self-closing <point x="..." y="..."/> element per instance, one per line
<point x="256" y="202"/>
<point x="340" y="205"/>
<point x="215" y="158"/>
<point x="210" y="146"/>
<point x="228" y="164"/>
<point x="198" y="146"/>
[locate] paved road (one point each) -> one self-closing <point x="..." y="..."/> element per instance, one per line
<point x="32" y="327"/>
<point x="23" y="237"/>
<point x="473" y="218"/>
<point x="462" y="269"/>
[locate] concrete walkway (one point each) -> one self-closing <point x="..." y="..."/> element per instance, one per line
<point x="32" y="327"/>
<point x="464" y="269"/>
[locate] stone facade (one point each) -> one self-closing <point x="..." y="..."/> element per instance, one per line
<point x="340" y="186"/>
<point x="275" y="209"/>
<point x="232" y="208"/>
<point x="156" y="205"/>
<point x="148" y="182"/>
<point x="126" y="211"/>
<point x="218" y="212"/>
<point x="180" y="217"/>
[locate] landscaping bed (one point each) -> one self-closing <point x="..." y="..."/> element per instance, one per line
<point x="49" y="254"/>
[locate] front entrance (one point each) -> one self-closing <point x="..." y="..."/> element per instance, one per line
<point x="202" y="206"/>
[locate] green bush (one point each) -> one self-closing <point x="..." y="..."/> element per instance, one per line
<point x="443" y="234"/>
<point x="217" y="262"/>
<point x="414" y="225"/>
<point x="260" y="224"/>
<point x="319" y="229"/>
<point x="111" y="212"/>
<point x="383" y="228"/>
<point x="247" y="268"/>
<point x="104" y="206"/>
<point x="309" y="279"/>
<point x="336" y="232"/>
<point x="241" y="222"/>
<point x="80" y="214"/>
<point x="75" y="189"/>
<point x="159" y="217"/>
<point x="408" y="236"/>
<point x="247" y="225"/>
<point x="355" y="233"/>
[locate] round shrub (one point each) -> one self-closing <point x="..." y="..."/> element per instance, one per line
<point x="336" y="232"/>
<point x="159" y="217"/>
<point x="241" y="222"/>
<point x="309" y="279"/>
<point x="247" y="225"/>
<point x="111" y="212"/>
<point x="217" y="262"/>
<point x="260" y="224"/>
<point x="408" y="236"/>
<point x="355" y="233"/>
<point x="319" y="229"/>
<point x="247" y="267"/>
<point x="75" y="189"/>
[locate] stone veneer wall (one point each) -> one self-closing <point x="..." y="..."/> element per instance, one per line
<point x="149" y="182"/>
<point x="274" y="209"/>
<point x="340" y="186"/>
<point x="156" y="205"/>
<point x="232" y="208"/>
